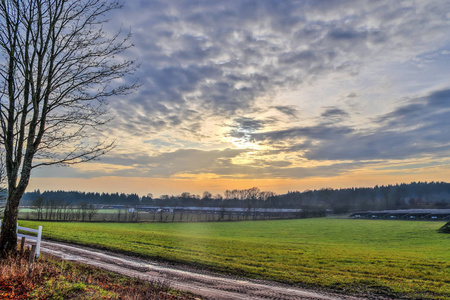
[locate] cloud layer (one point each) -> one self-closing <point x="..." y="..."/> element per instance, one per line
<point x="285" y="89"/>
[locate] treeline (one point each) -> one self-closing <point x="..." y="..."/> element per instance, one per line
<point x="77" y="198"/>
<point x="231" y="198"/>
<point x="246" y="198"/>
<point x="399" y="196"/>
<point x="415" y="195"/>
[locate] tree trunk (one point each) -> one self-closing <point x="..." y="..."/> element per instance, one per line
<point x="8" y="239"/>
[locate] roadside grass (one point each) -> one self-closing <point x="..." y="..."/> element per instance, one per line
<point x="51" y="278"/>
<point x="362" y="257"/>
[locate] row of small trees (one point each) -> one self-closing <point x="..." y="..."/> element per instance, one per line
<point x="85" y="213"/>
<point x="58" y="210"/>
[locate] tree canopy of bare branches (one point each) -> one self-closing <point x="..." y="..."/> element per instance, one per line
<point x="58" y="65"/>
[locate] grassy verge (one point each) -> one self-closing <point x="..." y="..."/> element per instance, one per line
<point x="391" y="258"/>
<point x="52" y="278"/>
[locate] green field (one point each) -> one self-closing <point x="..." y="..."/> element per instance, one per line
<point x="395" y="258"/>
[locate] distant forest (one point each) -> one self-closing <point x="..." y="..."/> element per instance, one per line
<point x="399" y="196"/>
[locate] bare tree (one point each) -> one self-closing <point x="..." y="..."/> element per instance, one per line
<point x="92" y="210"/>
<point x="38" y="205"/>
<point x="3" y="190"/>
<point x="57" y="67"/>
<point x="83" y="211"/>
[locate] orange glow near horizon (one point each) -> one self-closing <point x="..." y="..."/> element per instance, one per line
<point x="174" y="186"/>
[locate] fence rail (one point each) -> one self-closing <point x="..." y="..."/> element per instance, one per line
<point x="31" y="237"/>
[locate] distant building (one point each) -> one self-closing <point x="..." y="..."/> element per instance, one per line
<point x="405" y="214"/>
<point x="219" y="210"/>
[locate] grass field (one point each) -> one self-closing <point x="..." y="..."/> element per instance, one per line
<point x="395" y="258"/>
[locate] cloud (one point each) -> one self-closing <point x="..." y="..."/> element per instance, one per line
<point x="416" y="128"/>
<point x="192" y="161"/>
<point x="288" y="110"/>
<point x="218" y="57"/>
<point x="213" y="72"/>
<point x="243" y="127"/>
<point x="317" y="132"/>
<point x="333" y="115"/>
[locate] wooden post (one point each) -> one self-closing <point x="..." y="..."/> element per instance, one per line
<point x="32" y="255"/>
<point x="22" y="244"/>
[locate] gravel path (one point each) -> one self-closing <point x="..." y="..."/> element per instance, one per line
<point x="203" y="283"/>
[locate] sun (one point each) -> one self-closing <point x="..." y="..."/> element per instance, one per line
<point x="244" y="143"/>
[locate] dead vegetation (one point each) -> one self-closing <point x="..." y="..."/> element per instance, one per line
<point x="51" y="278"/>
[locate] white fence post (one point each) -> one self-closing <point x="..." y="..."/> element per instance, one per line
<point x="38" y="243"/>
<point x="36" y="238"/>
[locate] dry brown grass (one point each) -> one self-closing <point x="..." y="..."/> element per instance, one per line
<point x="51" y="278"/>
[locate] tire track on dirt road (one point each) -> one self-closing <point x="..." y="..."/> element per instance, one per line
<point x="205" y="284"/>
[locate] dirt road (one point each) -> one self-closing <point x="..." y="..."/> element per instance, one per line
<point x="202" y="283"/>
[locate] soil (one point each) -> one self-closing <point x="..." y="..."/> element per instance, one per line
<point x="207" y="285"/>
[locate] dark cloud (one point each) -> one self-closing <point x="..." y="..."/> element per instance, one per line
<point x="288" y="110"/>
<point x="303" y="58"/>
<point x="318" y="132"/>
<point x="243" y="128"/>
<point x="333" y="115"/>
<point x="418" y="127"/>
<point x="431" y="111"/>
<point x="351" y="37"/>
<point x="249" y="124"/>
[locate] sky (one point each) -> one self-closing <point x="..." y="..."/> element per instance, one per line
<point x="280" y="95"/>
